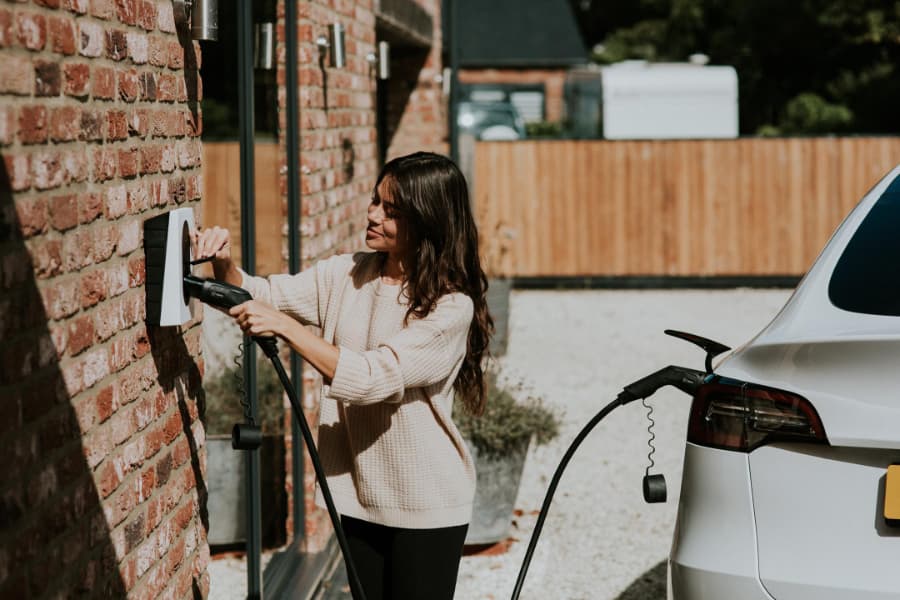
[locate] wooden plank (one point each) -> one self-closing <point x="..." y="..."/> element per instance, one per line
<point x="221" y="202"/>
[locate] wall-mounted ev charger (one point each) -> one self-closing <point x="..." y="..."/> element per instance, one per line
<point x="167" y="250"/>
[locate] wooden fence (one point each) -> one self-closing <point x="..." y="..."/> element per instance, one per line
<point x="757" y="207"/>
<point x="221" y="203"/>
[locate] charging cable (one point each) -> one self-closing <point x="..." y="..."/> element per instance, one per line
<point x="687" y="380"/>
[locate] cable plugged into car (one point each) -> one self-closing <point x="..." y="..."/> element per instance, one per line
<point x="685" y="379"/>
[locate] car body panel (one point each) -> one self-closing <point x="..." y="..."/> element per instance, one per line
<point x="820" y="526"/>
<point x="714" y="547"/>
<point x="846" y="363"/>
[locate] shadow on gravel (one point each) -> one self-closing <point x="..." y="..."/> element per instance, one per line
<point x="649" y="586"/>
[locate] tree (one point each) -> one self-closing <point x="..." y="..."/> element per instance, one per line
<point x="804" y="67"/>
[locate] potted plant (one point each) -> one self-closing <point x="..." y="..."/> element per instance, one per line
<point x="226" y="467"/>
<point x="499" y="441"/>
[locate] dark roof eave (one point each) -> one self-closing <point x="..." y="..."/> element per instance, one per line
<point x="405" y="22"/>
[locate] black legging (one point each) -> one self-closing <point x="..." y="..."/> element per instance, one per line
<point x="405" y="564"/>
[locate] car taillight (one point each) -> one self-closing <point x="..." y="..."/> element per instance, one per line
<point x="739" y="416"/>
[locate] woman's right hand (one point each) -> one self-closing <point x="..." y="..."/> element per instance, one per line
<point x="215" y="242"/>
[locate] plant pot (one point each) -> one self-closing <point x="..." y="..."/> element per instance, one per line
<point x="226" y="480"/>
<point x="497" y="299"/>
<point x="497" y="485"/>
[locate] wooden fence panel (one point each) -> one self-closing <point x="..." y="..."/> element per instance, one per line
<point x="757" y="207"/>
<point x="221" y="204"/>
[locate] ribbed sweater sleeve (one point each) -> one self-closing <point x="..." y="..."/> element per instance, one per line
<point x="301" y="296"/>
<point x="423" y="353"/>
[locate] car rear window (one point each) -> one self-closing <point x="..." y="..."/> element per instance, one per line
<point x="867" y="276"/>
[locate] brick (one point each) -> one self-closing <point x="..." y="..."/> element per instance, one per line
<point x="48" y="3"/>
<point x="17" y="76"/>
<point x="188" y="154"/>
<point x="104" y="164"/>
<point x="103" y="9"/>
<point x="63" y="212"/>
<point x="32" y="30"/>
<point x="128" y="162"/>
<point x="65" y="124"/>
<point x="96" y="366"/>
<point x="165" y="18"/>
<point x="116" y="202"/>
<point x="109" y="319"/>
<point x="157" y="51"/>
<point x="33" y="124"/>
<point x="138" y="198"/>
<point x="104" y="83"/>
<point x="148" y="86"/>
<point x="129" y="238"/>
<point x="81" y="334"/>
<point x="167" y="87"/>
<point x="129" y="85"/>
<point x="76" y="79"/>
<point x="117" y="125"/>
<point x="127" y="11"/>
<point x="46" y="256"/>
<point x="47" y="78"/>
<point x="93" y="288"/>
<point x="138" y="47"/>
<point x="139" y="122"/>
<point x="116" y="45"/>
<point x="91" y="39"/>
<point x="79" y="7"/>
<point x="91" y="126"/>
<point x="62" y="34"/>
<point x="6" y="28"/>
<point x="151" y="157"/>
<point x="47" y="170"/>
<point x="8" y="125"/>
<point x="136" y="272"/>
<point x="147" y="15"/>
<point x="176" y="55"/>
<point x="168" y="159"/>
<point x="105" y="240"/>
<point x="90" y="206"/>
<point x="77" y="247"/>
<point x="61" y="299"/>
<point x="32" y="216"/>
<point x="76" y="164"/>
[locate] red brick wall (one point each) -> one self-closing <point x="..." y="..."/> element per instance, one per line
<point x="102" y="482"/>
<point x="339" y="158"/>
<point x="553" y="80"/>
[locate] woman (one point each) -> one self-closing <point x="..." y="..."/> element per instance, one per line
<point x="403" y="331"/>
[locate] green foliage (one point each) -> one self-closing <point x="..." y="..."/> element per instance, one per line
<point x="810" y="113"/>
<point x="511" y="418"/>
<point x="223" y="400"/>
<point x="543" y="129"/>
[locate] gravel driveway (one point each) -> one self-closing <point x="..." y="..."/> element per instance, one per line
<point x="577" y="349"/>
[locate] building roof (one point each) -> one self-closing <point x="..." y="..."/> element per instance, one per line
<point x="516" y="33"/>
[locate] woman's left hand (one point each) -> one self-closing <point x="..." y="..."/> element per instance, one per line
<point x="259" y="319"/>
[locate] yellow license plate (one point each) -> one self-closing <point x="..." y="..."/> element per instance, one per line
<point x="892" y="494"/>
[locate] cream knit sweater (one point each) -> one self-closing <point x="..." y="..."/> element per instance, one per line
<point x="390" y="450"/>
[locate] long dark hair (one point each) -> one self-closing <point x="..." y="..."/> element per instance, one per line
<point x="430" y="194"/>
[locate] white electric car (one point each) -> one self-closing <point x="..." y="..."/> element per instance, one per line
<point x="786" y="480"/>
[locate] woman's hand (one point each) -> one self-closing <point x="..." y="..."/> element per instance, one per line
<point x="259" y="319"/>
<point x="215" y="242"/>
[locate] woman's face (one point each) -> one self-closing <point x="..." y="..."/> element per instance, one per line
<point x="386" y="231"/>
